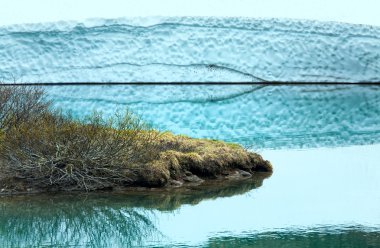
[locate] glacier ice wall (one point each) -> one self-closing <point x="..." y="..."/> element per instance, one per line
<point x="260" y="116"/>
<point x="190" y="49"/>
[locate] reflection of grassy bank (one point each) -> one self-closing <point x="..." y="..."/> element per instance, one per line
<point x="97" y="220"/>
<point x="45" y="150"/>
<point x="171" y="199"/>
<point x="348" y="237"/>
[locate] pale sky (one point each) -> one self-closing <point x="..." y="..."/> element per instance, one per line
<point x="32" y="11"/>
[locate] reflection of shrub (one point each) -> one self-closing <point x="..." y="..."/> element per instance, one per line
<point x="64" y="221"/>
<point x="42" y="148"/>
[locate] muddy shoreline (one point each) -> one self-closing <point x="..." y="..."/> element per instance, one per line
<point x="236" y="178"/>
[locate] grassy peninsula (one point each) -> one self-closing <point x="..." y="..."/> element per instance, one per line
<point x="43" y="149"/>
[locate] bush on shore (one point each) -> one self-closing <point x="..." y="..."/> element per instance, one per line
<point x="45" y="149"/>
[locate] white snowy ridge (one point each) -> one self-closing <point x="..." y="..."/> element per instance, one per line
<point x="189" y="49"/>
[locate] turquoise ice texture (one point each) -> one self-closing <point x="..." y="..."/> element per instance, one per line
<point x="189" y="49"/>
<point x="257" y="116"/>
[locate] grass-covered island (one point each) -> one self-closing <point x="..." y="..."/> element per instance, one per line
<point x="42" y="149"/>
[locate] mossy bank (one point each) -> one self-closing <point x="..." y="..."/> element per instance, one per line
<point x="189" y="160"/>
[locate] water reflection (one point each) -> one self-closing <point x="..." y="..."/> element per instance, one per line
<point x="71" y="221"/>
<point x="348" y="237"/>
<point x="101" y="220"/>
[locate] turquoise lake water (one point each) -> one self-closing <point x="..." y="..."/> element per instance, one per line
<point x="323" y="142"/>
<point x="258" y="116"/>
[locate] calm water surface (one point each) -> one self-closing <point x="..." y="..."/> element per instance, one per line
<point x="323" y="192"/>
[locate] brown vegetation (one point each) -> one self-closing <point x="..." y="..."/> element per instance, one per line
<point x="42" y="149"/>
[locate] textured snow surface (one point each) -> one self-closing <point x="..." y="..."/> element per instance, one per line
<point x="190" y="49"/>
<point x="259" y="116"/>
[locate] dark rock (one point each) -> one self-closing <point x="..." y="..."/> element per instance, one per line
<point x="175" y="183"/>
<point x="193" y="179"/>
<point x="244" y="173"/>
<point x="234" y="175"/>
<point x="188" y="173"/>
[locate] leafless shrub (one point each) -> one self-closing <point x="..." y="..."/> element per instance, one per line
<point x="50" y="149"/>
<point x="19" y="104"/>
